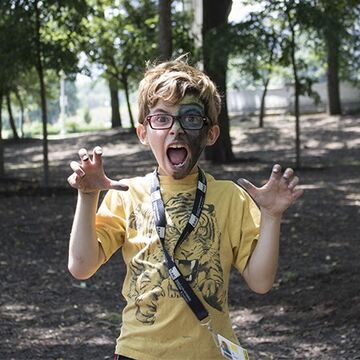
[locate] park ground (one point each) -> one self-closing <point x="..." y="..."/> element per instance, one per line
<point x="313" y="311"/>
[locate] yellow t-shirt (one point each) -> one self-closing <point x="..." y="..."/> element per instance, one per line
<point x="157" y="322"/>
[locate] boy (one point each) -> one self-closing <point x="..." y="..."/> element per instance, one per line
<point x="180" y="230"/>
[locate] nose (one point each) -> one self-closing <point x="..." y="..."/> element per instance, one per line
<point x="176" y="127"/>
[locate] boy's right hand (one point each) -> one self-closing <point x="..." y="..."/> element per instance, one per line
<point x="89" y="175"/>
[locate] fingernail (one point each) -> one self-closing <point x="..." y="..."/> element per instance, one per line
<point x="276" y="168"/>
<point x="85" y="158"/>
<point x="98" y="151"/>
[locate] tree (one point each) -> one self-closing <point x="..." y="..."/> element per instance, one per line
<point x="165" y="29"/>
<point x="215" y="57"/>
<point x="22" y="109"/>
<point x="52" y="32"/>
<point x="115" y="104"/>
<point x="2" y="168"/>
<point x="12" y="60"/>
<point x="11" y="117"/>
<point x="255" y="47"/>
<point x="288" y="16"/>
<point x="337" y="26"/>
<point x="291" y="49"/>
<point x="120" y="40"/>
<point x="39" y="52"/>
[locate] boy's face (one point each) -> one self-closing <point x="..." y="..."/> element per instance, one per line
<point x="176" y="150"/>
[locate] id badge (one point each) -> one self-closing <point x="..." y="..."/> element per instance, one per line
<point x="230" y="350"/>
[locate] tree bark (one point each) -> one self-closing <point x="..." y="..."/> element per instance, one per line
<point x="262" y="105"/>
<point x="11" y="117"/>
<point x="127" y="96"/>
<point x="2" y="167"/>
<point x="165" y="30"/>
<point x="333" y="84"/>
<point x="40" y="71"/>
<point x="297" y="95"/>
<point x="266" y="84"/>
<point x="215" y="54"/>
<point x="115" y="106"/>
<point x="22" y="111"/>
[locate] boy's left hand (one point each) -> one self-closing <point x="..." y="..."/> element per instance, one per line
<point x="277" y="194"/>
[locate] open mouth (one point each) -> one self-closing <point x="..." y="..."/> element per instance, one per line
<point x="177" y="154"/>
<point x="188" y="268"/>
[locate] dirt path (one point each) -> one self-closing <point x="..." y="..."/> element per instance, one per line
<point x="313" y="312"/>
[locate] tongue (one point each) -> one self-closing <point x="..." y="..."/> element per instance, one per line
<point x="177" y="156"/>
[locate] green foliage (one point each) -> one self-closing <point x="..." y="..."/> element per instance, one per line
<point x="182" y="42"/>
<point x="251" y="40"/>
<point x="31" y="30"/>
<point x="121" y="37"/>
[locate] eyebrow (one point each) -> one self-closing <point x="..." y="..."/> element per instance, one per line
<point x="160" y="111"/>
<point x="185" y="108"/>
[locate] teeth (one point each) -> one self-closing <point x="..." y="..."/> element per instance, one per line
<point x="176" y="146"/>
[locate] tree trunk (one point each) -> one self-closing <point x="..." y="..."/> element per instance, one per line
<point x="115" y="106"/>
<point x="165" y="30"/>
<point x="11" y="117"/>
<point x="22" y="111"/>
<point x="40" y="71"/>
<point x="2" y="167"/>
<point x="297" y="95"/>
<point x="266" y="84"/>
<point x="262" y="105"/>
<point x="333" y="85"/>
<point x="127" y="95"/>
<point x="215" y="18"/>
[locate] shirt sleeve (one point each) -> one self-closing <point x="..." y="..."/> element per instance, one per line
<point x="249" y="228"/>
<point x="111" y="223"/>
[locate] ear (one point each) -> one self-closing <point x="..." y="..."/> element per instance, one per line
<point x="213" y="135"/>
<point x="141" y="133"/>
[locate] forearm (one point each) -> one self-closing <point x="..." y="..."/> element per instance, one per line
<point x="261" y="269"/>
<point x="85" y="254"/>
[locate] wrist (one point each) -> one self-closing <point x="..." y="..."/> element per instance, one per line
<point x="267" y="215"/>
<point x="89" y="196"/>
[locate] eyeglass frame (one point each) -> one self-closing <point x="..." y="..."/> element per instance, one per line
<point x="206" y="121"/>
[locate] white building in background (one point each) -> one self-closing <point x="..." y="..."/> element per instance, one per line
<point x="281" y="100"/>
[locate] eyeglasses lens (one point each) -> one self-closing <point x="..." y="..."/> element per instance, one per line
<point x="188" y="122"/>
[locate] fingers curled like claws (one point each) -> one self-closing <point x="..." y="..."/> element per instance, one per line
<point x="97" y="155"/>
<point x="83" y="154"/>
<point x="73" y="180"/>
<point x="98" y="150"/>
<point x="276" y="168"/>
<point x="288" y="175"/>
<point x="293" y="183"/>
<point x="77" y="169"/>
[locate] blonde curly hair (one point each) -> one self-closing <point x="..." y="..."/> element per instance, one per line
<point x="171" y="81"/>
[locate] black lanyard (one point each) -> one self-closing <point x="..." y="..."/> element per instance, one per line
<point x="160" y="222"/>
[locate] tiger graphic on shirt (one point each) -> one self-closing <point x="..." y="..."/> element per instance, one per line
<point x="197" y="259"/>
